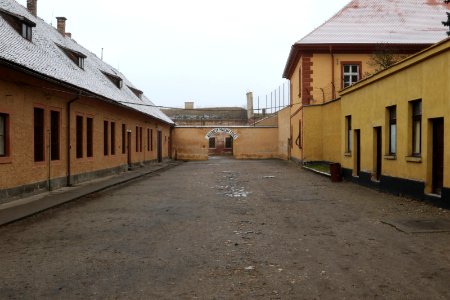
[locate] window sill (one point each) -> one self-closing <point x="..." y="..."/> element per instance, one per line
<point x="348" y="154"/>
<point x="390" y="157"/>
<point x="5" y="160"/>
<point x="414" y="159"/>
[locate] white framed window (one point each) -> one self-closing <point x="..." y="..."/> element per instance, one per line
<point x="392" y="130"/>
<point x="350" y="73"/>
<point x="416" y="127"/>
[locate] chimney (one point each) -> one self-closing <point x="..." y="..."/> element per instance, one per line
<point x="250" y="105"/>
<point x="61" y="25"/>
<point x="188" y="105"/>
<point x="32" y="7"/>
<point x="68" y="34"/>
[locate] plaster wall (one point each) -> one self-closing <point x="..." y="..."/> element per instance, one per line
<point x="425" y="77"/>
<point x="19" y="96"/>
<point x="189" y="143"/>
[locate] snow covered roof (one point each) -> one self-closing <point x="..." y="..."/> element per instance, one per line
<point x="45" y="56"/>
<point x="364" y="22"/>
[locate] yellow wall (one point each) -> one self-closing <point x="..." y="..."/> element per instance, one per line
<point x="297" y="139"/>
<point x="322" y="91"/>
<point x="295" y="84"/>
<point x="424" y="76"/>
<point x="269" y="121"/>
<point x="252" y="143"/>
<point x="322" y="132"/>
<point x="323" y="69"/>
<point x="284" y="133"/>
<point x="190" y="143"/>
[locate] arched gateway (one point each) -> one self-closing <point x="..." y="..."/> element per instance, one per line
<point x="220" y="141"/>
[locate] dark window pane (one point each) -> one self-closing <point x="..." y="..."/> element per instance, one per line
<point x="417" y="108"/>
<point x="151" y="139"/>
<point x="212" y="142"/>
<point x="90" y="137"/>
<point x="228" y="142"/>
<point x="2" y="135"/>
<point x="105" y="137"/>
<point x="55" y="133"/>
<point x="79" y="136"/>
<point x="124" y="130"/>
<point x="137" y="139"/>
<point x="140" y="139"/>
<point x="113" y="138"/>
<point x="38" y="134"/>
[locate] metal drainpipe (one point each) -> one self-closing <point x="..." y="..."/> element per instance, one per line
<point x="333" y="91"/>
<point x="69" y="183"/>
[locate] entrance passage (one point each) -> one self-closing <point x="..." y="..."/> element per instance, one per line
<point x="220" y="144"/>
<point x="438" y="155"/>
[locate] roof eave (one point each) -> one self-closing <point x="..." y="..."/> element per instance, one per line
<point x="362" y="48"/>
<point x="70" y="86"/>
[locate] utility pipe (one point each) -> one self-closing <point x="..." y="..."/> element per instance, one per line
<point x="333" y="90"/>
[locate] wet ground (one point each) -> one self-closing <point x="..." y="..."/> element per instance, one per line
<point x="228" y="229"/>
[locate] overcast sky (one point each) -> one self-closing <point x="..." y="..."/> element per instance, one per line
<point x="206" y="51"/>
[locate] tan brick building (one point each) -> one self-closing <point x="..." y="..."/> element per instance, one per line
<point x="65" y="115"/>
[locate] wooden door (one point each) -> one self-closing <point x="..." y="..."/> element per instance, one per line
<point x="438" y="155"/>
<point x="378" y="152"/>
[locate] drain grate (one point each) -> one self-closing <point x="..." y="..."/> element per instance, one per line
<point x="420" y="225"/>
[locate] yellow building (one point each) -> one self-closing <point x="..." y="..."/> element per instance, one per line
<point x="65" y="115"/>
<point x="340" y="52"/>
<point x="395" y="131"/>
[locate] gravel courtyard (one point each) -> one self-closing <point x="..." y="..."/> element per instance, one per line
<point x="230" y="229"/>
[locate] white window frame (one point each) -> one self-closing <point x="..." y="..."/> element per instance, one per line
<point x="349" y="74"/>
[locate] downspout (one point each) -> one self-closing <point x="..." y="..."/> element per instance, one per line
<point x="49" y="160"/>
<point x="333" y="91"/>
<point x="69" y="173"/>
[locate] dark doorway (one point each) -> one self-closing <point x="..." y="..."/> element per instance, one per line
<point x="377" y="153"/>
<point x="358" y="151"/>
<point x="438" y="155"/>
<point x="159" y="146"/>
<point x="129" y="149"/>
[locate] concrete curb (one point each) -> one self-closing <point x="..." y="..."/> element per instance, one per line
<point x="316" y="171"/>
<point x="19" y="209"/>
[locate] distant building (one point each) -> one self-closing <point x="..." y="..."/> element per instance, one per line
<point x="65" y="115"/>
<point x="221" y="143"/>
<point x="208" y="116"/>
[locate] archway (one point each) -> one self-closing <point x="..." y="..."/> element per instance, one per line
<point x="220" y="141"/>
